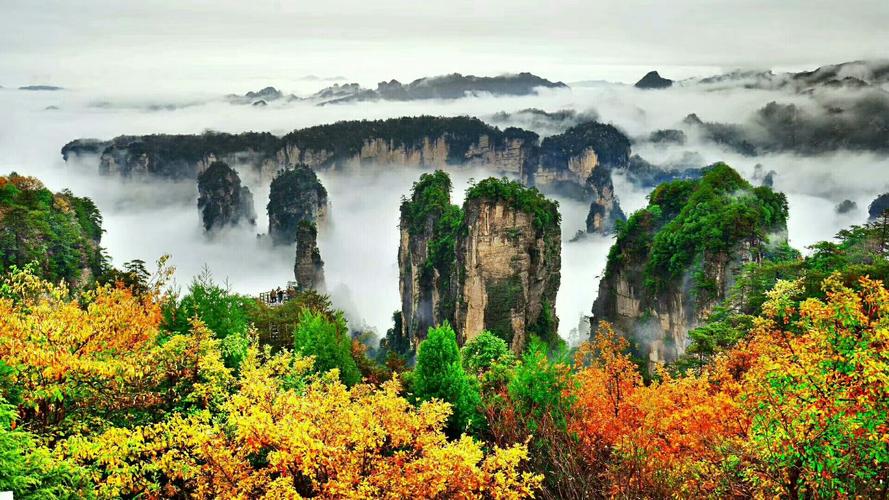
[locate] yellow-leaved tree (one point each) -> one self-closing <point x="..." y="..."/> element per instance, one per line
<point x="286" y="433"/>
<point x="127" y="409"/>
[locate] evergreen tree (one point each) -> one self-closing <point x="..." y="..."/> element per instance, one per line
<point x="328" y="341"/>
<point x="439" y="374"/>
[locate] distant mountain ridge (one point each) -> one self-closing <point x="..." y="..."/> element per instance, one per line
<point x="852" y="74"/>
<point x="452" y="86"/>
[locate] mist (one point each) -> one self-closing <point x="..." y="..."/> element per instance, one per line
<point x="359" y="241"/>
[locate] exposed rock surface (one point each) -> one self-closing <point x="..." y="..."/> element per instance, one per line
<point x="509" y="264"/>
<point x="308" y="268"/>
<point x="423" y="141"/>
<point x="577" y="163"/>
<point x="492" y="265"/>
<point x="878" y="207"/>
<point x="176" y="156"/>
<point x="676" y="259"/>
<point x="426" y="257"/>
<point x="573" y="155"/>
<point x="222" y="200"/>
<point x="653" y="80"/>
<point x="605" y="210"/>
<point x="296" y="195"/>
<point x="585" y="156"/>
<point x="644" y="174"/>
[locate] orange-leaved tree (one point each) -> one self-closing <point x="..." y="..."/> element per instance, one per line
<point x="652" y="440"/>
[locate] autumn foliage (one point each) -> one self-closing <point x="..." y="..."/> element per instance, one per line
<point x="99" y="398"/>
<point x="126" y="409"/>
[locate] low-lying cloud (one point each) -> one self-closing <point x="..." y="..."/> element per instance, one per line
<point x="359" y="243"/>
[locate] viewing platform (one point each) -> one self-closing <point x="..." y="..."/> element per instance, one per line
<point x="278" y="296"/>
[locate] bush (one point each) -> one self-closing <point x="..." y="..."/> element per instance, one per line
<point x="484" y="351"/>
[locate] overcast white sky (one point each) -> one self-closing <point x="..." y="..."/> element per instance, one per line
<point x="167" y="42"/>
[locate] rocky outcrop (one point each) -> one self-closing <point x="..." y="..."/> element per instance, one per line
<point x="583" y="158"/>
<point x="576" y="163"/>
<point x="676" y="259"/>
<point x="878" y="207"/>
<point x="564" y="160"/>
<point x="492" y="265"/>
<point x="605" y="210"/>
<point x="176" y="156"/>
<point x="653" y="80"/>
<point x="509" y="264"/>
<point x="426" y="257"/>
<point x="295" y="195"/>
<point x="222" y="200"/>
<point x="308" y="268"/>
<point x="424" y="141"/>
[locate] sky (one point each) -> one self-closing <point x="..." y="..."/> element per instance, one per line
<point x="204" y="44"/>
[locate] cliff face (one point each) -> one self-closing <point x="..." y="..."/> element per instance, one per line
<point x="423" y="141"/>
<point x="584" y="156"/>
<point x="577" y="162"/>
<point x="308" y="268"/>
<point x="175" y="156"/>
<point x="426" y="258"/>
<point x="605" y="210"/>
<point x="676" y="259"/>
<point x="509" y="264"/>
<point x="222" y="200"/>
<point x="414" y="142"/>
<point x="567" y="160"/>
<point x="492" y="265"/>
<point x="295" y="196"/>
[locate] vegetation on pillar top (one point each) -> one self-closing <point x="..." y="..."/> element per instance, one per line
<point x="517" y="196"/>
<point x="431" y="195"/>
<point x="686" y="220"/>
